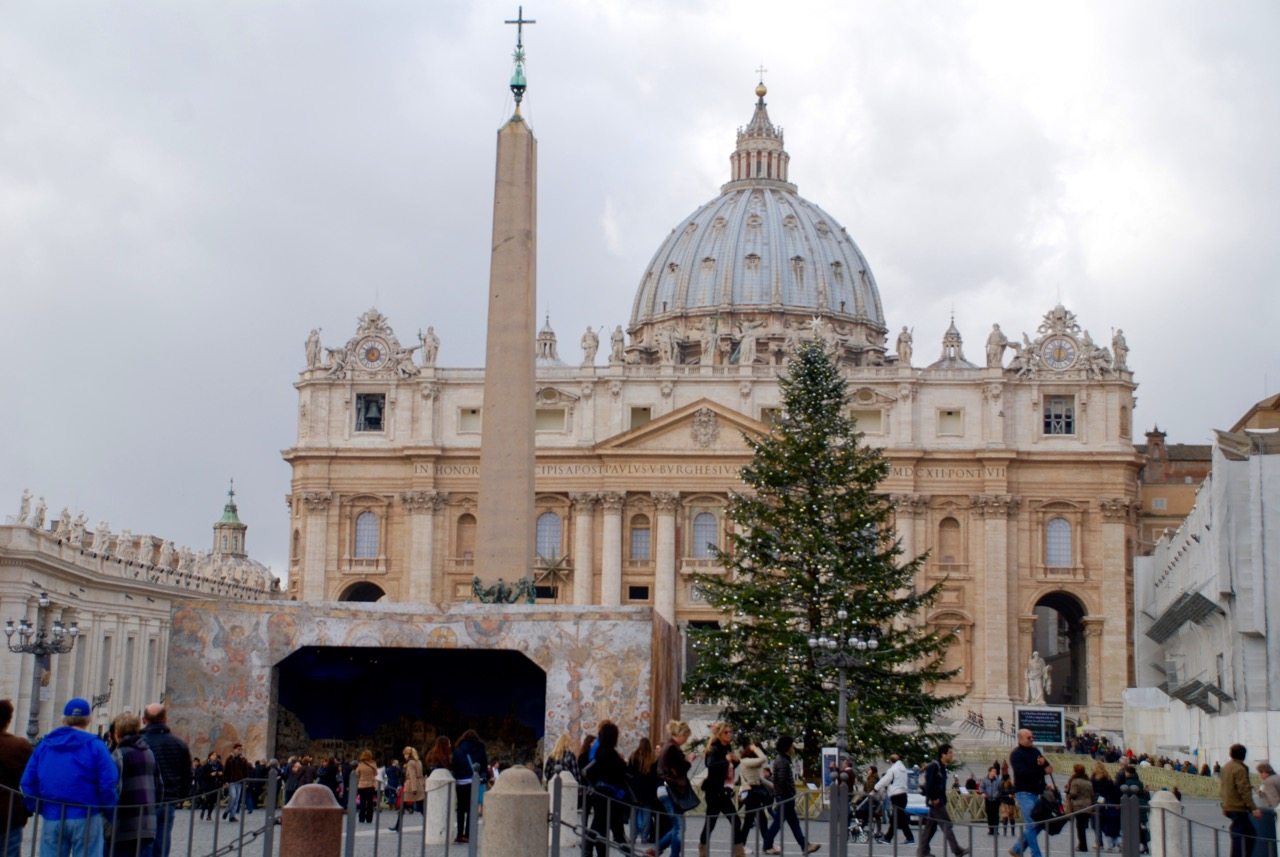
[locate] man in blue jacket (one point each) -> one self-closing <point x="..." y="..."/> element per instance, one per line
<point x="71" y="780"/>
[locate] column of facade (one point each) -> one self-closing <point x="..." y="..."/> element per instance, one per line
<point x="664" y="554"/>
<point x="992" y="603"/>
<point x="611" y="549"/>
<point x="1093" y="627"/>
<point x="584" y="572"/>
<point x="908" y="509"/>
<point x="315" y="505"/>
<point x="1117" y="517"/>
<point x="421" y="572"/>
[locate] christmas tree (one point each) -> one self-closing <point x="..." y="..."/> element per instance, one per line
<point x="812" y="539"/>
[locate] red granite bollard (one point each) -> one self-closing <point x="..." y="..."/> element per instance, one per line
<point x="311" y="824"/>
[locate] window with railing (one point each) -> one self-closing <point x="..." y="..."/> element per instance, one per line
<point x="366" y="546"/>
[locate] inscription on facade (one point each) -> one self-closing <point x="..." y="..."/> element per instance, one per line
<point x="903" y="471"/>
<point x="592" y="469"/>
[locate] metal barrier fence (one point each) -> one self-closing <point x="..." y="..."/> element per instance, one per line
<point x="216" y="825"/>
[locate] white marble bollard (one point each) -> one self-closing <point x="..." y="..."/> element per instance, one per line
<point x="441" y="798"/>
<point x="1166" y="832"/>
<point x="569" y="841"/>
<point x="515" y="816"/>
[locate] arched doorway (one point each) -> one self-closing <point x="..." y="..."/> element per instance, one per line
<point x="339" y="700"/>
<point x="363" y="591"/>
<point x="1059" y="638"/>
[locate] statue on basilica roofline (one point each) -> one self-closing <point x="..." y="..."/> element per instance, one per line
<point x="24" y="508"/>
<point x="404" y="364"/>
<point x="1119" y="351"/>
<point x="314" y="350"/>
<point x="904" y="347"/>
<point x="62" y="529"/>
<point x="430" y="346"/>
<point x="102" y="539"/>
<point x="37" y="517"/>
<point x="78" y="528"/>
<point x="337" y="364"/>
<point x="997" y="342"/>
<point x="617" y="341"/>
<point x="590" y="344"/>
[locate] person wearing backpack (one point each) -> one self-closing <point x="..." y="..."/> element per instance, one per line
<point x="935" y="796"/>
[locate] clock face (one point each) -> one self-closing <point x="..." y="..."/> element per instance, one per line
<point x="372" y="353"/>
<point x="1059" y="352"/>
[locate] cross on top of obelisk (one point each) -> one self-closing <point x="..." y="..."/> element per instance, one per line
<point x="520" y="20"/>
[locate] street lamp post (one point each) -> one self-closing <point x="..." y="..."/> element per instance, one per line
<point x="40" y="640"/>
<point x="845" y="649"/>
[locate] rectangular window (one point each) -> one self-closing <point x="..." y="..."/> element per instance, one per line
<point x="640" y="416"/>
<point x="637" y="593"/>
<point x="469" y="420"/>
<point x="640" y="544"/>
<point x="951" y="421"/>
<point x="869" y="420"/>
<point x="1059" y="415"/>
<point x="1159" y="504"/>
<point x="548" y="592"/>
<point x="549" y="419"/>
<point x="370" y="410"/>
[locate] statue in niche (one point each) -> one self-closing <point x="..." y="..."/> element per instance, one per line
<point x="24" y="508"/>
<point x="904" y="347"/>
<point x="997" y="342"/>
<point x="590" y="345"/>
<point x="37" y="517"/>
<point x="430" y="346"/>
<point x="1037" y="673"/>
<point x="313" y="349"/>
<point x="1119" y="351"/>
<point x="617" y="340"/>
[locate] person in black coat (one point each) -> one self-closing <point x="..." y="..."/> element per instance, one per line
<point x="470" y="765"/>
<point x="717" y="788"/>
<point x="607" y="793"/>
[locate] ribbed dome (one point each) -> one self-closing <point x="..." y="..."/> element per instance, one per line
<point x="760" y="248"/>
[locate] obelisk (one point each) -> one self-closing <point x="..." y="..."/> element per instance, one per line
<point x="505" y="528"/>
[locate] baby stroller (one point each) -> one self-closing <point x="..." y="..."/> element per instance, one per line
<point x="864" y="817"/>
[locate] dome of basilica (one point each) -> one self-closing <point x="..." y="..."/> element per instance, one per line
<point x="758" y="254"/>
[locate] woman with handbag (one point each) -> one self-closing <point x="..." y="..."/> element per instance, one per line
<point x="754" y="794"/>
<point x="717" y="788"/>
<point x="675" y="792"/>
<point x="366" y="786"/>
<point x="414" y="785"/>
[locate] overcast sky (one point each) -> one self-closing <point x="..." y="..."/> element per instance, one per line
<point x="186" y="189"/>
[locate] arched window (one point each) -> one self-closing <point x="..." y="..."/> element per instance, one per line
<point x="949" y="541"/>
<point x="547" y="543"/>
<point x="705" y="536"/>
<point x="640" y="538"/>
<point x="1057" y="542"/>
<point x="366" y="536"/>
<point x="466" y="537"/>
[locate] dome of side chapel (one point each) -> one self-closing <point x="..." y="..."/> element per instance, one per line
<point x="758" y="254"/>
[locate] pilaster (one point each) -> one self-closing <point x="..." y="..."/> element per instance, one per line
<point x="422" y="507"/>
<point x="664" y="578"/>
<point x="584" y="573"/>
<point x="316" y="506"/>
<point x="611" y="549"/>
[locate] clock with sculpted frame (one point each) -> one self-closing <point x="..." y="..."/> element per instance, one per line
<point x="1059" y="352"/>
<point x="372" y="353"/>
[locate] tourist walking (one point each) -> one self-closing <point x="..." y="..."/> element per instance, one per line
<point x="1237" y="801"/>
<point x="470" y="765"/>
<point x="1106" y="798"/>
<point x="1080" y="801"/>
<point x="561" y="756"/>
<point x="673" y="776"/>
<point x="366" y="787"/>
<point x="1008" y="804"/>
<point x="70" y="780"/>
<point x="935" y="796"/>
<point x="895" y="782"/>
<point x="14" y="753"/>
<point x="717" y="788"/>
<point x="642" y="773"/>
<point x="133" y="827"/>
<point x="414" y="788"/>
<point x="607" y="794"/>
<point x="755" y="794"/>
<point x="1029" y="768"/>
<point x="1268" y="800"/>
<point x="990" y="788"/>
<point x="784" y="789"/>
<point x="173" y="759"/>
<point x="234" y="773"/>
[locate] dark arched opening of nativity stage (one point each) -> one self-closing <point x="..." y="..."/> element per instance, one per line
<point x="340" y="700"/>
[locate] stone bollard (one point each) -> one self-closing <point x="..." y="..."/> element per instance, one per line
<point x="515" y="816"/>
<point x="1166" y="832"/>
<point x="311" y="824"/>
<point x="442" y="797"/>
<point x="568" y="810"/>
